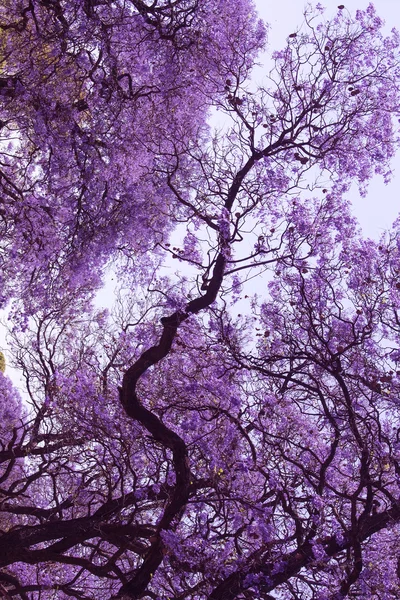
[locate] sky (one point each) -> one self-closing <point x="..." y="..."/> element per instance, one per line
<point x="378" y="210"/>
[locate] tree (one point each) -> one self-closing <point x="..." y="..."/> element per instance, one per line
<point x="199" y="440"/>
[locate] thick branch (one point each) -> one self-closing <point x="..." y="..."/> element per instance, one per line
<point x="300" y="558"/>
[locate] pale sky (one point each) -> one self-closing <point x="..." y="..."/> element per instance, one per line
<point x="378" y="211"/>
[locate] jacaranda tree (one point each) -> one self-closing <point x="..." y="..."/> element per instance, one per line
<point x="230" y="429"/>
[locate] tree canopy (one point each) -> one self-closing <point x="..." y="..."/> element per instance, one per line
<point x="229" y="429"/>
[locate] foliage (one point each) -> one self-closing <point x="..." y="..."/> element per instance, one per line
<point x="230" y="431"/>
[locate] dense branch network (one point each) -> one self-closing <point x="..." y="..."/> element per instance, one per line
<point x="230" y="432"/>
